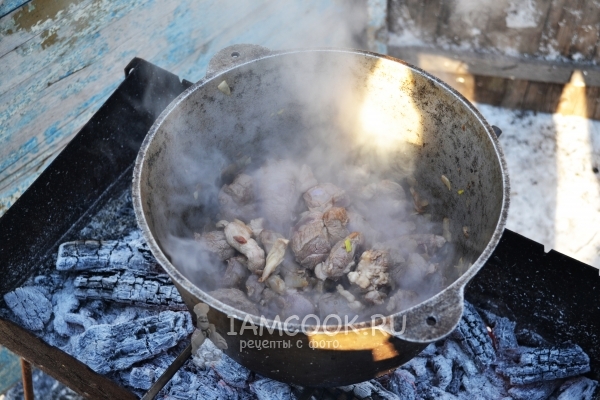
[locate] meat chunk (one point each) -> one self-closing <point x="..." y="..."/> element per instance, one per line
<point x="296" y="304"/>
<point x="305" y="179"/>
<point x="267" y="239"/>
<point x="371" y="275"/>
<point x="216" y="243"/>
<point x="238" y="235"/>
<point x="237" y="199"/>
<point x="310" y="242"/>
<point x="335" y="220"/>
<point x="324" y="196"/>
<point x="236" y="299"/>
<point x="236" y="273"/>
<point x="341" y="258"/>
<point x="254" y="288"/>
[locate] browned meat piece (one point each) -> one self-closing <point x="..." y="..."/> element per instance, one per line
<point x="236" y="299"/>
<point x="216" y="243"/>
<point x="236" y="273"/>
<point x="310" y="242"/>
<point x="402" y="300"/>
<point x="324" y="196"/>
<point x="238" y="235"/>
<point x="341" y="257"/>
<point x="335" y="220"/>
<point x="254" y="288"/>
<point x="296" y="304"/>
<point x="372" y="271"/>
<point x="277" y="193"/>
<point x="237" y="199"/>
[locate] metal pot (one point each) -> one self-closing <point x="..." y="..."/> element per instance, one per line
<point x="280" y="102"/>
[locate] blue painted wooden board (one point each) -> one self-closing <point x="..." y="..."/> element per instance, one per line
<point x="60" y="59"/>
<point x="10" y="369"/>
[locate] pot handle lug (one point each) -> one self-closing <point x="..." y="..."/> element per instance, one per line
<point x="497" y="130"/>
<point x="430" y="321"/>
<point x="233" y="55"/>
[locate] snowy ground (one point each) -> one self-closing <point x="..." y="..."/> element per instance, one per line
<point x="555" y="187"/>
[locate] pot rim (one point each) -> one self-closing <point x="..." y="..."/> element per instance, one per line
<point x="453" y="292"/>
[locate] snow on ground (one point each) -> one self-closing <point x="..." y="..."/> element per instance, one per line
<point x="555" y="193"/>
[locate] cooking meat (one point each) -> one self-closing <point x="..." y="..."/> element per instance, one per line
<point x="274" y="258"/>
<point x="254" y="288"/>
<point x="371" y="274"/>
<point x="216" y="243"/>
<point x="296" y="304"/>
<point x="293" y="274"/>
<point x="238" y="235"/>
<point x="236" y="273"/>
<point x="335" y="303"/>
<point x="237" y="199"/>
<point x="324" y="196"/>
<point x="276" y="284"/>
<point x="335" y="220"/>
<point x="305" y="179"/>
<point x="236" y="299"/>
<point x="310" y="242"/>
<point x="358" y="223"/>
<point x="341" y="257"/>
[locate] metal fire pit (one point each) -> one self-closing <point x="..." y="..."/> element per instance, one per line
<point x="549" y="293"/>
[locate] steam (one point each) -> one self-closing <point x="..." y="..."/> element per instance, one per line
<point x="351" y="119"/>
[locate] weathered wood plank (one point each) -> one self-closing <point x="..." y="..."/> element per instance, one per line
<point x="61" y="60"/>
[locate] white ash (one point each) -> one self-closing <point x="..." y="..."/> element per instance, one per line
<point x="31" y="307"/>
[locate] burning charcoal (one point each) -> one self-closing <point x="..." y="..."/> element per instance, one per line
<point x="457" y="377"/>
<point x="335" y="220"/>
<point x="534" y="391"/>
<point x="189" y="383"/>
<point x="236" y="273"/>
<point x="254" y="288"/>
<point x="236" y="299"/>
<point x="268" y="389"/>
<point x="144" y="376"/>
<point x="231" y="372"/>
<point x="545" y="364"/>
<point x="443" y="371"/>
<point x="324" y="196"/>
<point x="106" y="348"/>
<point x="402" y="383"/>
<point x="473" y="337"/>
<point x="504" y="334"/>
<point x="371" y="274"/>
<point x="310" y="242"/>
<point x="216" y="243"/>
<point x="579" y="388"/>
<point x="482" y="387"/>
<point x="207" y="354"/>
<point x="274" y="258"/>
<point x="238" y="235"/>
<point x="64" y="302"/>
<point x="341" y="257"/>
<point x="237" y="199"/>
<point x="529" y="338"/>
<point x="402" y="300"/>
<point x="129" y="287"/>
<point x="131" y="252"/>
<point x="30" y="306"/>
<point x="453" y="351"/>
<point x="277" y="192"/>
